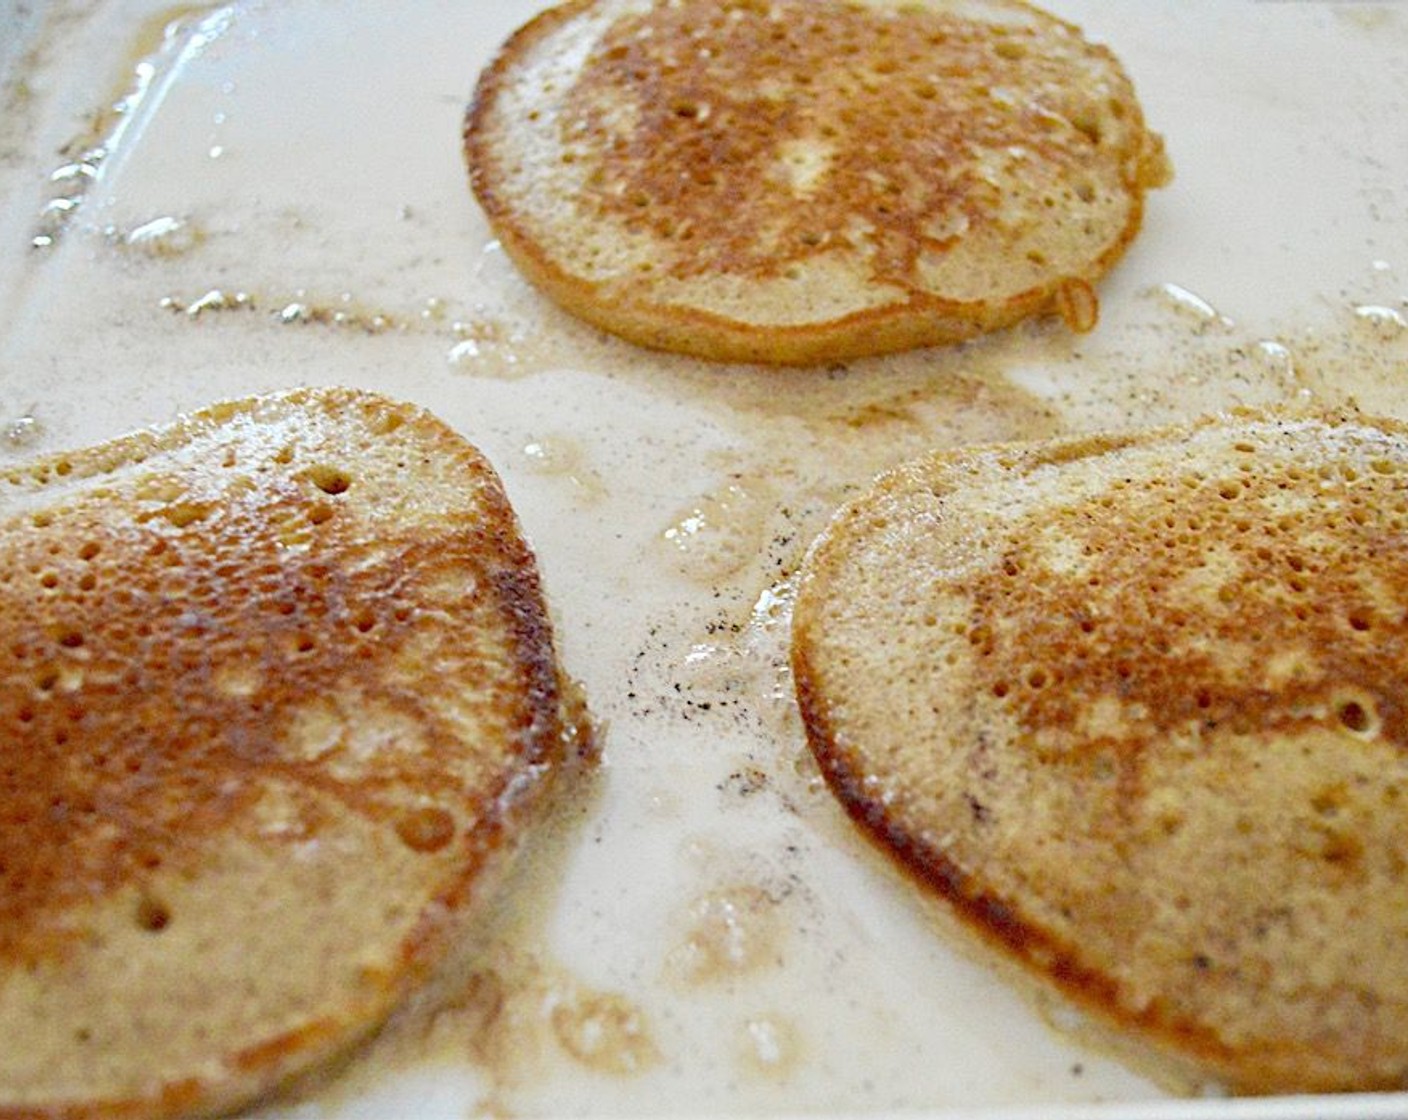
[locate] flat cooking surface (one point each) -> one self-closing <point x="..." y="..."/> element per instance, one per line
<point x="205" y="202"/>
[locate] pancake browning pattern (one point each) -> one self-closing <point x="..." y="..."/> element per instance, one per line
<point x="807" y="180"/>
<point x="1134" y="706"/>
<point x="279" y="694"/>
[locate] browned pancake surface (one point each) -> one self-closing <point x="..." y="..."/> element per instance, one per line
<point x="807" y="179"/>
<point x="1135" y="707"/>
<point x="277" y="681"/>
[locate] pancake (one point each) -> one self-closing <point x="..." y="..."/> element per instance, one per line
<point x="802" y="181"/>
<point x="1133" y="705"/>
<point x="279" y="694"/>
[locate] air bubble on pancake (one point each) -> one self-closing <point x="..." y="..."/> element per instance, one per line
<point x="152" y="915"/>
<point x="71" y="639"/>
<point x="183" y="514"/>
<point x="690" y="109"/>
<point x="427" y="828"/>
<point x="238" y="680"/>
<point x="1357" y="713"/>
<point x="329" y="479"/>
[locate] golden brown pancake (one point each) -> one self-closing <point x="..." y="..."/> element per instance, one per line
<point x="1134" y="706"/>
<point x="807" y="180"/>
<point x="278" y="690"/>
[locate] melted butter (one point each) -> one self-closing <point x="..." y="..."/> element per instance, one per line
<point x="718" y="535"/>
<point x="165" y="236"/>
<point x="732" y="933"/>
<point x="799" y="442"/>
<point x="160" y="44"/>
<point x="1385" y="322"/>
<point x="1192" y="306"/>
<point x="771" y="1047"/>
<point x="602" y="1031"/>
<point x="563" y="456"/>
<point x="21" y="431"/>
<point x="750" y="662"/>
<point x="485" y="346"/>
<point x="519" y="1016"/>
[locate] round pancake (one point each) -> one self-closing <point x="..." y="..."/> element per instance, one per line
<point x="801" y="181"/>
<point x="279" y="691"/>
<point x="1134" y="706"/>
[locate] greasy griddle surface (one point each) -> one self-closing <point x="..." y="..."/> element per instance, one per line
<point x="280" y="200"/>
